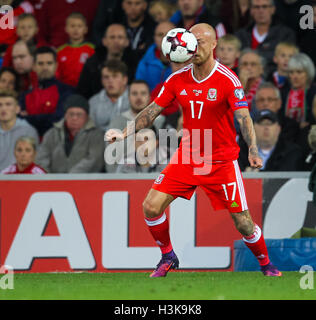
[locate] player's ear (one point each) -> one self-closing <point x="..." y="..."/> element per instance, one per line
<point x="214" y="44"/>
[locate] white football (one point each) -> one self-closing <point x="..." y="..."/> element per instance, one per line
<point x="179" y="45"/>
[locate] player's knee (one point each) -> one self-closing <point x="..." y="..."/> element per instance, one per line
<point x="150" y="210"/>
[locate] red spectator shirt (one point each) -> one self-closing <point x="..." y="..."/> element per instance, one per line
<point x="8" y="36"/>
<point x="206" y="104"/>
<point x="71" y="59"/>
<point x="31" y="169"/>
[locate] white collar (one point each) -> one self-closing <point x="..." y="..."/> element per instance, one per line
<point x="211" y="73"/>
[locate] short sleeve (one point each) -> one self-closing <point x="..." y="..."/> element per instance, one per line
<point x="236" y="98"/>
<point x="166" y="94"/>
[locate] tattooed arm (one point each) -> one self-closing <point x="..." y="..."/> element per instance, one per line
<point x="249" y="135"/>
<point x="143" y="120"/>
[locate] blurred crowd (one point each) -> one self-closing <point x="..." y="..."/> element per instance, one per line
<point x="71" y="69"/>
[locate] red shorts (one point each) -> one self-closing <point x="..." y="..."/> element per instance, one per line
<point x="223" y="185"/>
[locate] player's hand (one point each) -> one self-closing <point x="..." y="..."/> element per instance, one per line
<point x="254" y="159"/>
<point x="255" y="162"/>
<point x="113" y="135"/>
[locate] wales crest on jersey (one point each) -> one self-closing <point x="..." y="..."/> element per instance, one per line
<point x="212" y="94"/>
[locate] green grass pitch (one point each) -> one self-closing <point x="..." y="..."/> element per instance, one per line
<point x="176" y="286"/>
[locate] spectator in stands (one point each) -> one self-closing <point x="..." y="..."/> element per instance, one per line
<point x="72" y="56"/>
<point x="265" y="33"/>
<point x="235" y="14"/>
<point x="43" y="105"/>
<point x="139" y="98"/>
<point x="52" y="16"/>
<point x="11" y="127"/>
<point x="154" y="67"/>
<point x="115" y="46"/>
<point x="23" y="62"/>
<point x="268" y="97"/>
<point x="8" y="79"/>
<point x="251" y="66"/>
<point x="8" y="35"/>
<point x="298" y="98"/>
<point x="283" y="53"/>
<point x="113" y="98"/>
<point x="194" y="11"/>
<point x="228" y="51"/>
<point x="25" y="153"/>
<point x="277" y="154"/>
<point x="161" y="10"/>
<point x="26" y="30"/>
<point x="27" y="27"/>
<point x="146" y="156"/>
<point x="74" y="144"/>
<point x="139" y="25"/>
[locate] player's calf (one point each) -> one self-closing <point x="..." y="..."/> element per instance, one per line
<point x="243" y="223"/>
<point x="254" y="240"/>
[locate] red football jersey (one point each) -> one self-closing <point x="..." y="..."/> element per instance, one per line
<point x="71" y="59"/>
<point x="208" y="112"/>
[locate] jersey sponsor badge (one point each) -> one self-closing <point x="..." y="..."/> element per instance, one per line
<point x="159" y="178"/>
<point x="197" y="92"/>
<point x="212" y="94"/>
<point x="239" y="94"/>
<point x="241" y="104"/>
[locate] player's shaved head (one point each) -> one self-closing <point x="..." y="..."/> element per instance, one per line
<point x="206" y="38"/>
<point x="203" y="29"/>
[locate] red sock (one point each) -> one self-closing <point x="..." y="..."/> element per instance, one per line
<point x="255" y="242"/>
<point x="159" y="229"/>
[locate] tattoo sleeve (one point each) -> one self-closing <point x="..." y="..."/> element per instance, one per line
<point x="247" y="130"/>
<point x="144" y="119"/>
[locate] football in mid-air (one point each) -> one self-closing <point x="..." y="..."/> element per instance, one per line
<point x="179" y="45"/>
